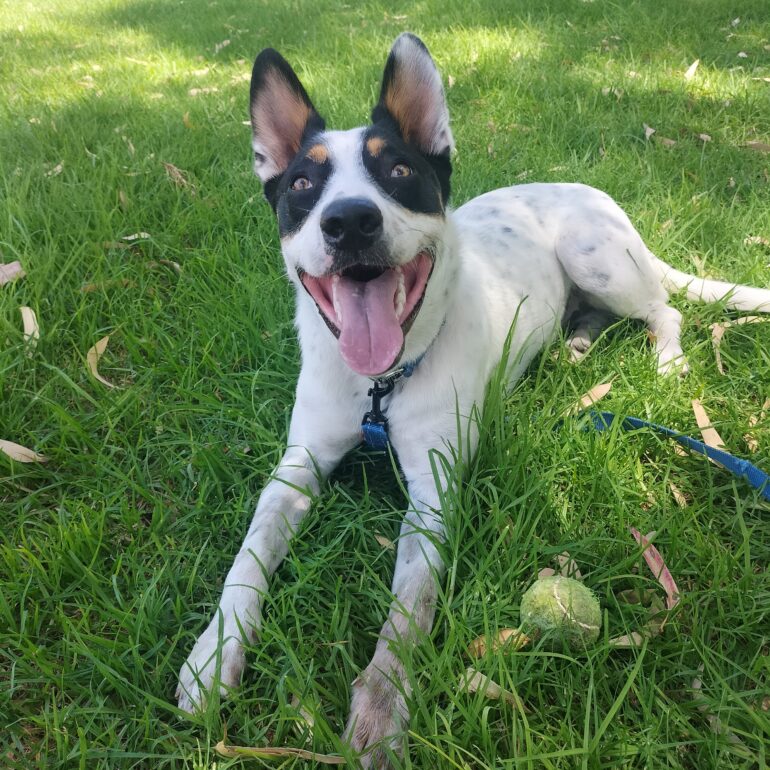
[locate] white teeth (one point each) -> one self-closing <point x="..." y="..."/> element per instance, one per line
<point x="401" y="293"/>
<point x="335" y="300"/>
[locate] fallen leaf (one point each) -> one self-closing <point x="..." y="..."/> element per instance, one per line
<point x="451" y="81"/>
<point x="704" y="137"/>
<point x="658" y="567"/>
<point x="507" y="639"/>
<point x="219" y="46"/>
<point x="116" y="245"/>
<point x="681" y="500"/>
<point x="11" y="272"/>
<point x="474" y="681"/>
<point x="186" y="120"/>
<point x="750" y="438"/>
<point x="736" y="21"/>
<point x="710" y="435"/>
<point x="137" y="237"/>
<point x="388" y="545"/>
<point x="665" y="141"/>
<point x="546" y="572"/>
<point x="588" y="399"/>
<point x="634" y="639"/>
<point x="31" y="329"/>
<point x="20" y="453"/>
<point x="56" y="170"/>
<point x="206" y="90"/>
<point x="305" y="721"/>
<point x="690" y="73"/>
<point x="92" y="360"/>
<point x="648" y="131"/>
<point x="756" y="240"/>
<point x="201" y="72"/>
<point x="757" y="146"/>
<point x="267" y="751"/>
<point x="742" y="55"/>
<point x="718" y="330"/>
<point x="175" y="266"/>
<point x="123" y="199"/>
<point x="116" y="283"/>
<point x="177" y="176"/>
<point x="715" y="723"/>
<point x="568" y="566"/>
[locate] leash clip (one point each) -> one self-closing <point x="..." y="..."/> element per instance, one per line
<point x="374" y="426"/>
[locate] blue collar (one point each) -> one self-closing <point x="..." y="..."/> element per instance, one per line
<point x="374" y="425"/>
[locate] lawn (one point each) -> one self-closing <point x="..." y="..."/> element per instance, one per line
<point x="123" y="118"/>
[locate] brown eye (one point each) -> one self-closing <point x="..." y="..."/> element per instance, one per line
<point x="301" y="183"/>
<point x="401" y="169"/>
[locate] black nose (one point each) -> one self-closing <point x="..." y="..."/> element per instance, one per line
<point x="351" y="224"/>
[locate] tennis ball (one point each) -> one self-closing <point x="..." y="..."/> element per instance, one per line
<point x="561" y="608"/>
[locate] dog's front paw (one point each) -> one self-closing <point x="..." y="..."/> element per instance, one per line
<point x="378" y="718"/>
<point x="202" y="670"/>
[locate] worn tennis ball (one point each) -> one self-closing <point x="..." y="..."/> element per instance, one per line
<point x="562" y="609"/>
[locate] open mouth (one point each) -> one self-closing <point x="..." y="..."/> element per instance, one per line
<point x="370" y="309"/>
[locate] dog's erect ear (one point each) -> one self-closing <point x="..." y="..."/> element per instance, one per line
<point x="281" y="114"/>
<point x="413" y="97"/>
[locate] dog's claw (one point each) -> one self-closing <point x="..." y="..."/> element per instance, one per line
<point x="200" y="673"/>
<point x="378" y="717"/>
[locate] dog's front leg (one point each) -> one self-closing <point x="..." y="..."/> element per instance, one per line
<point x="321" y="436"/>
<point x="378" y="712"/>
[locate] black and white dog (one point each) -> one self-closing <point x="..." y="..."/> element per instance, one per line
<point x="391" y="282"/>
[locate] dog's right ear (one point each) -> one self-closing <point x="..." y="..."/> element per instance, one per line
<point x="281" y="114"/>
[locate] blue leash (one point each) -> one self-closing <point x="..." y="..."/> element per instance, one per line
<point x="741" y="468"/>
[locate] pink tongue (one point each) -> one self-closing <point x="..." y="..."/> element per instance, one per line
<point x="370" y="334"/>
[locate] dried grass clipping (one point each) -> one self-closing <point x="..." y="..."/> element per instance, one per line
<point x="92" y="359"/>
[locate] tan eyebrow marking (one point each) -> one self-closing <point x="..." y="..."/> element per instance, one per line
<point x="318" y="153"/>
<point x="375" y="144"/>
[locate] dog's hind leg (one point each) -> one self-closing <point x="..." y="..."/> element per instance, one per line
<point x="609" y="263"/>
<point x="584" y="324"/>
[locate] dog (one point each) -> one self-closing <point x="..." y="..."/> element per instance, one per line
<point x="403" y="310"/>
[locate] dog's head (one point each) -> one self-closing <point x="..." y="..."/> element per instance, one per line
<point x="361" y="213"/>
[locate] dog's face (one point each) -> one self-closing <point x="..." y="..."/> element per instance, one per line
<point x="360" y="212"/>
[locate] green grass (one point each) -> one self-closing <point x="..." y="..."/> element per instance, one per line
<point x="112" y="554"/>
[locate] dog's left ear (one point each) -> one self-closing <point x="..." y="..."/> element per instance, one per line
<point x="412" y="96"/>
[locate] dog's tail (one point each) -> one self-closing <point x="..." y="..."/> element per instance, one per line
<point x="733" y="295"/>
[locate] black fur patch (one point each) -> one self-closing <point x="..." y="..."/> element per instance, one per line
<point x="426" y="189"/>
<point x="292" y="207"/>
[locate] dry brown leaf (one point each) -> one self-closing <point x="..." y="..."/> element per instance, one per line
<point x="665" y="141"/>
<point x="175" y="266"/>
<point x="757" y="146"/>
<point x="388" y="545"/>
<point x="92" y="360"/>
<point x="756" y="240"/>
<point x="690" y="73"/>
<point x="681" y="500"/>
<point x="20" y="453"/>
<point x="507" y="639"/>
<point x="11" y="272"/>
<point x="546" y="572"/>
<point x="710" y="435"/>
<point x="648" y="131"/>
<point x="634" y="639"/>
<point x="568" y="566"/>
<point x="177" y="176"/>
<point x="226" y="750"/>
<point x="658" y="567"/>
<point x="704" y="137"/>
<point x="596" y="393"/>
<point x="474" y="681"/>
<point x="116" y="283"/>
<point x="715" y="723"/>
<point x="31" y="329"/>
<point x="718" y="330"/>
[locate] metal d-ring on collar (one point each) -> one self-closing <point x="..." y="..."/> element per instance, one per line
<point x="374" y="426"/>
